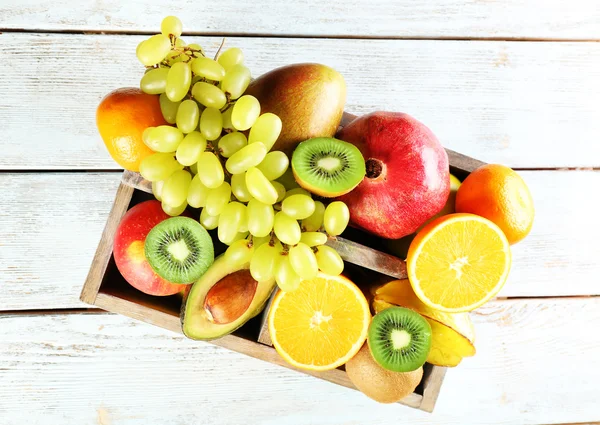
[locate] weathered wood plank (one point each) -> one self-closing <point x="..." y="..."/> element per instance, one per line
<point x="100" y="368"/>
<point x="513" y="103"/>
<point x="51" y="223"/>
<point x="551" y="19"/>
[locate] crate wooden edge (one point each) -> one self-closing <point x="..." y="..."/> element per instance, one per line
<point x="90" y="294"/>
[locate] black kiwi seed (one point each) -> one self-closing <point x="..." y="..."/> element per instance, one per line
<point x="399" y="339"/>
<point x="179" y="250"/>
<point x="328" y="167"/>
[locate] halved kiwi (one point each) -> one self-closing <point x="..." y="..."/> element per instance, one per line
<point x="328" y="167"/>
<point x="399" y="339"/>
<point x="179" y="250"/>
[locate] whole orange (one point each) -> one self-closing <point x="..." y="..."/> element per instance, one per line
<point x="122" y="117"/>
<point x="499" y="194"/>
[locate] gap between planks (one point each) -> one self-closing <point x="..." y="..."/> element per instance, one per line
<point x="300" y="36"/>
<point x="92" y="310"/>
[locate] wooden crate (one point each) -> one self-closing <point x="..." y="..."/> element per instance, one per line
<point x="106" y="289"/>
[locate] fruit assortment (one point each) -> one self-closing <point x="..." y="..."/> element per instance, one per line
<point x="257" y="165"/>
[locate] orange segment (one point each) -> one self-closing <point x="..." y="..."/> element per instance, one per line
<point x="321" y="325"/>
<point x="458" y="262"/>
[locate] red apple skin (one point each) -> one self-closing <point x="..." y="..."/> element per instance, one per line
<point x="413" y="184"/>
<point x="129" y="249"/>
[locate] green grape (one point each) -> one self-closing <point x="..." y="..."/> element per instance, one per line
<point x="230" y="220"/>
<point x="245" y="112"/>
<point x="179" y="42"/>
<point x="174" y="56"/>
<point x="190" y="148"/>
<point x="298" y="206"/>
<point x="260" y="218"/>
<point x="239" y="188"/>
<point x="259" y="187"/>
<point x="197" y="47"/>
<point x="248" y="156"/>
<point x="208" y="68"/>
<point x="154" y="81"/>
<point x="297" y="191"/>
<point x="238" y="237"/>
<point x="286" y="229"/>
<point x="329" y="261"/>
<point x="265" y="240"/>
<point x="266" y="130"/>
<point x="227" y="124"/>
<point x="168" y="108"/>
<point x="303" y="261"/>
<point x="171" y="25"/>
<point x="176" y="187"/>
<point x="159" y="166"/>
<point x="217" y="199"/>
<point x="209" y="95"/>
<point x="262" y="264"/>
<point x="230" y="58"/>
<point x="232" y="143"/>
<point x="285" y="276"/>
<point x="208" y="221"/>
<point x="178" y="81"/>
<point x="335" y="218"/>
<point x="194" y="168"/>
<point x="188" y="115"/>
<point x="288" y="180"/>
<point x="274" y="164"/>
<point x="210" y="170"/>
<point x="197" y="193"/>
<point x="153" y="50"/>
<point x="157" y="189"/>
<point x="236" y="81"/>
<point x="239" y="253"/>
<point x="280" y="190"/>
<point x="315" y="221"/>
<point x="163" y="138"/>
<point x="174" y="211"/>
<point x="244" y="222"/>
<point x="211" y="123"/>
<point x="313" y="238"/>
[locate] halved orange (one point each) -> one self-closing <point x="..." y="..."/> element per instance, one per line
<point x="458" y="262"/>
<point x="321" y="325"/>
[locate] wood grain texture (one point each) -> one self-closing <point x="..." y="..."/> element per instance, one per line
<point x="105" y="246"/>
<point x="51" y="224"/>
<point x="77" y="368"/>
<point x="511" y="103"/>
<point x="551" y="19"/>
<point x="256" y="350"/>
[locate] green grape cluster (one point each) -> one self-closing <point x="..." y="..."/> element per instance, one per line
<point x="204" y="159"/>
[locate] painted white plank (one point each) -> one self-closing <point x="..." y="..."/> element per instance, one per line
<point x="51" y="223"/>
<point x="536" y="363"/>
<point x="552" y="19"/>
<point x="513" y="103"/>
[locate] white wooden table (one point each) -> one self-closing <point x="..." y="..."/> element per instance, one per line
<point x="509" y="81"/>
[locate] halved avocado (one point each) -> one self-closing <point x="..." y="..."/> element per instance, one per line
<point x="197" y="323"/>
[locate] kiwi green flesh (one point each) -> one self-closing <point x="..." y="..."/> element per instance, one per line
<point x="330" y="166"/>
<point x="399" y="339"/>
<point x="179" y="250"/>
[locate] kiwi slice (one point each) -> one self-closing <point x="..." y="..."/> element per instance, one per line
<point x="328" y="167"/>
<point x="179" y="249"/>
<point x="399" y="339"/>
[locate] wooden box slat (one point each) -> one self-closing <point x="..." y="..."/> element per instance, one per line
<point x="105" y="288"/>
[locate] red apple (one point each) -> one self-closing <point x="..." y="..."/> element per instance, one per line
<point x="407" y="178"/>
<point x="129" y="249"/>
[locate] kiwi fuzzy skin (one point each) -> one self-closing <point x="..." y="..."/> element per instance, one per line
<point x="377" y="383"/>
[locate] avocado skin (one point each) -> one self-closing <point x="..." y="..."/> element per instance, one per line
<point x="194" y="320"/>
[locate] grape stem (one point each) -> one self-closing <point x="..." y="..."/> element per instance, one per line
<point x="220" y="47"/>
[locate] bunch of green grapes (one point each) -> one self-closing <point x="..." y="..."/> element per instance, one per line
<point x="205" y="160"/>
